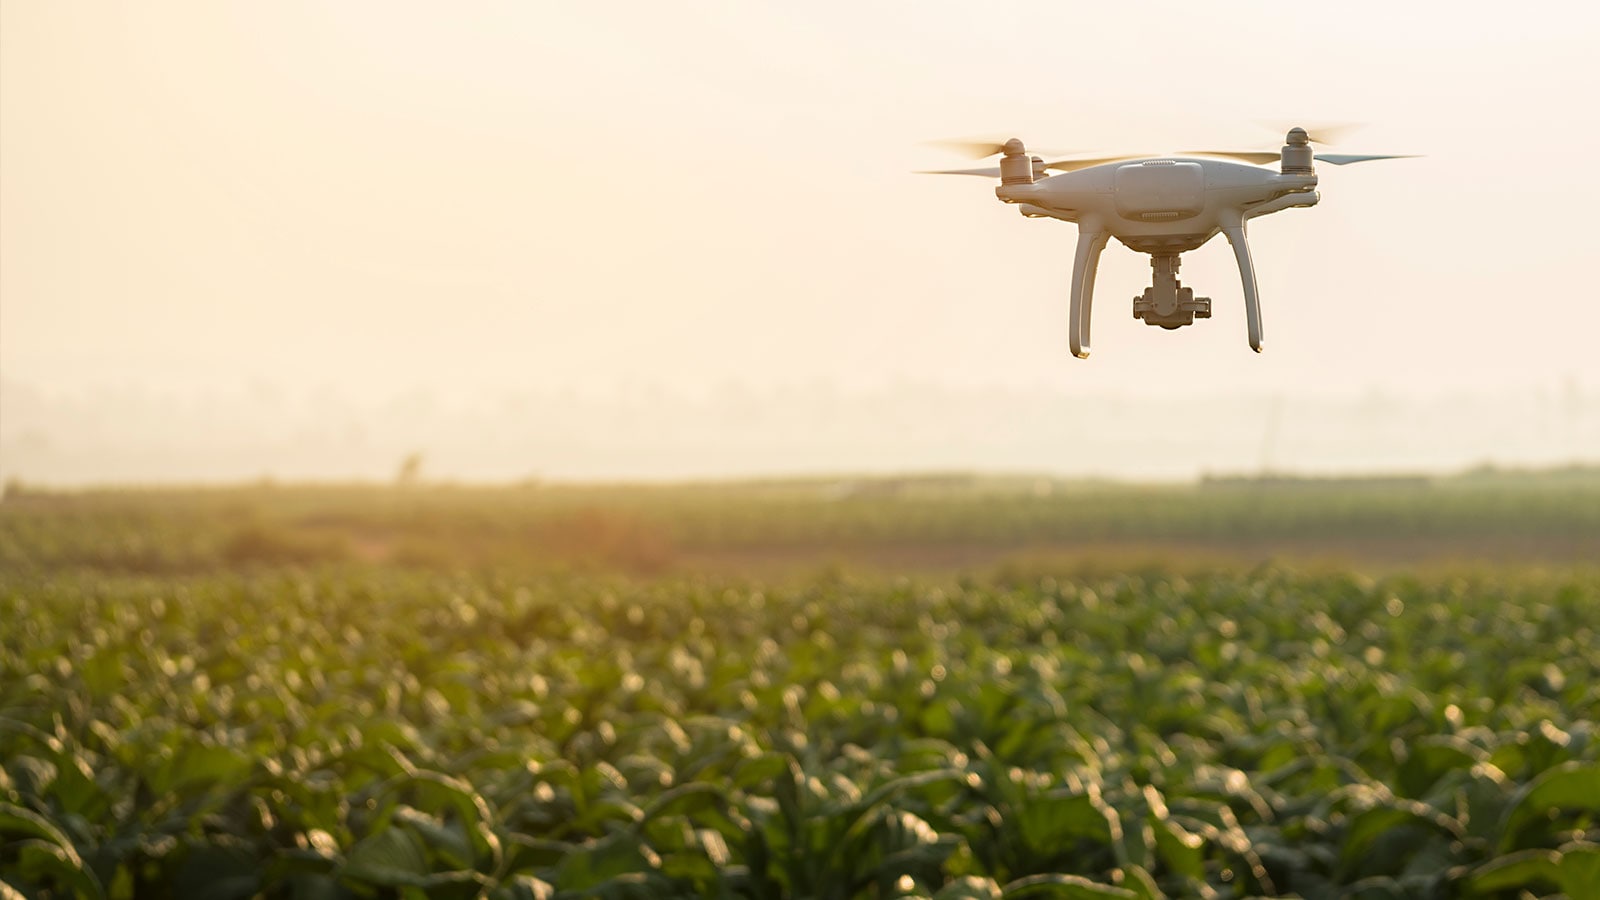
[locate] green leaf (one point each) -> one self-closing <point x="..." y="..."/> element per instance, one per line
<point x="1571" y="785"/>
<point x="908" y="783"/>
<point x="315" y="886"/>
<point x="75" y="788"/>
<point x="226" y="873"/>
<point x="686" y="799"/>
<point x="523" y="887"/>
<point x="1377" y="887"/>
<point x="33" y="775"/>
<point x="464" y="885"/>
<point x="602" y="815"/>
<point x="1182" y="850"/>
<point x="616" y="854"/>
<point x="761" y="769"/>
<point x="203" y="765"/>
<point x="1055" y="819"/>
<point x="628" y="886"/>
<point x="1387" y="817"/>
<point x="524" y="852"/>
<point x="297" y="861"/>
<point x="1142" y="883"/>
<point x="1431" y="758"/>
<point x="1525" y="869"/>
<point x="391" y="857"/>
<point x="1075" y="887"/>
<point x="444" y="843"/>
<point x="912" y="847"/>
<point x="439" y="794"/>
<point x="17" y="820"/>
<point x="51" y="865"/>
<point x="1578" y="870"/>
<point x="969" y="887"/>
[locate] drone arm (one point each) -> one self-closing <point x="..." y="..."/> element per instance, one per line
<point x="1299" y="199"/>
<point x="1034" y="211"/>
<point x="1084" y="264"/>
<point x="1247" y="275"/>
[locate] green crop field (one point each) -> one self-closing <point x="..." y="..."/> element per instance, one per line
<point x="936" y="687"/>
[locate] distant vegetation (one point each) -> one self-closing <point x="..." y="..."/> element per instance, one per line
<point x="942" y="687"/>
<point x="945" y="522"/>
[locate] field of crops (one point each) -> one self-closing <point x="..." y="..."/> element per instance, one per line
<point x="527" y="693"/>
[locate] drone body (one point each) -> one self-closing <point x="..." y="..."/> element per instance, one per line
<point x="1163" y="206"/>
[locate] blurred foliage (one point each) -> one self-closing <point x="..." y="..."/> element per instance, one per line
<point x="893" y="523"/>
<point x="233" y="694"/>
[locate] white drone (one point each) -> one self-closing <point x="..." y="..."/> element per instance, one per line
<point x="1162" y="206"/>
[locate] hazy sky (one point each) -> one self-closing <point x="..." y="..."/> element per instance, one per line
<point x="377" y="198"/>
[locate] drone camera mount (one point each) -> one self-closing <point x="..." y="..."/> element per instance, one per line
<point x="1166" y="302"/>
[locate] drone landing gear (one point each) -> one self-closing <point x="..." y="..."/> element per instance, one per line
<point x="1166" y="302"/>
<point x="1084" y="264"/>
<point x="1247" y="274"/>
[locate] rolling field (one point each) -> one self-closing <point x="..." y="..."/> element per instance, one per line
<point x="937" y="687"/>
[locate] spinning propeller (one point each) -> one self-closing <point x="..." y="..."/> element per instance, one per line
<point x="980" y="148"/>
<point x="1325" y="135"/>
<point x="984" y="147"/>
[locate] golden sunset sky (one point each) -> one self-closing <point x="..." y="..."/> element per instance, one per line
<point x="380" y="198"/>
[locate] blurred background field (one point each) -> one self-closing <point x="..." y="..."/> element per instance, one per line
<point x="939" y="686"/>
<point x="932" y="523"/>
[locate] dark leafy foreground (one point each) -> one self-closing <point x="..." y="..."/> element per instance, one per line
<point x="384" y="734"/>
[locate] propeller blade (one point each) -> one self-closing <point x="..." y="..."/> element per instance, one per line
<point x="1073" y="165"/>
<point x="972" y="149"/>
<point x="990" y="172"/>
<point x="1061" y="165"/>
<point x="1249" y="156"/>
<point x="1318" y="133"/>
<point x="982" y="147"/>
<point x="1345" y="159"/>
